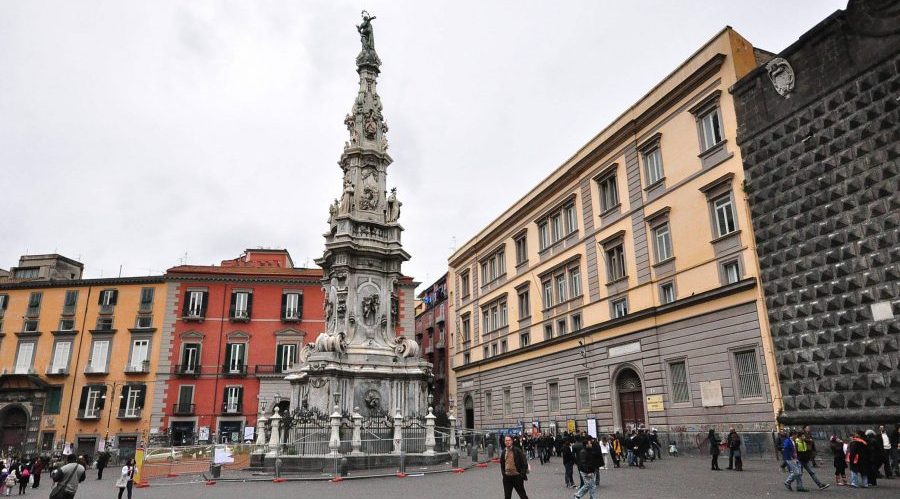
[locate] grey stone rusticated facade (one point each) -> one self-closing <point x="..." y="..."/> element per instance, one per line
<point x="820" y="140"/>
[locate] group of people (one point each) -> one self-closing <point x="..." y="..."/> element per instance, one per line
<point x="18" y="472"/>
<point x="66" y="471"/>
<point x="865" y="453"/>
<point x="733" y="443"/>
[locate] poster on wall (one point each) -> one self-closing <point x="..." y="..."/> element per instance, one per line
<point x="249" y="434"/>
<point x="203" y="435"/>
<point x="535" y="428"/>
<point x="570" y="425"/>
<point x="592" y="427"/>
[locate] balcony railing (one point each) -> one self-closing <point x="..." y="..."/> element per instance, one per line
<point x="229" y="370"/>
<point x="33" y="312"/>
<point x="187" y="370"/>
<point x="130" y="413"/>
<point x="145" y="308"/>
<point x="193" y="315"/>
<point x="232" y="408"/>
<point x="107" y="309"/>
<point x="58" y="371"/>
<point x="240" y="316"/>
<point x="89" y="413"/>
<point x="291" y="315"/>
<point x="271" y="369"/>
<point x="142" y="367"/>
<point x="68" y="310"/>
<point x="95" y="370"/>
<point x="183" y="409"/>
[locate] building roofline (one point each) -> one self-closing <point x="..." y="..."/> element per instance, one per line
<point x="72" y="283"/>
<point x="55" y="256"/>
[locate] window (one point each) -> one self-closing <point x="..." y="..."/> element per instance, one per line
<point x="724" y="213"/>
<point x="4" y="302"/>
<point x="493" y="268"/>
<point x="144" y="322"/>
<point x="140" y="356"/>
<point x="680" y="391"/>
<point x="70" y="302"/>
<point x="571" y="218"/>
<point x="92" y="398"/>
<point x="240" y="304"/>
<point x="576" y="322"/>
<point x="132" y="401"/>
<point x="653" y="168"/>
<point x="521" y="249"/>
<point x="732" y="272"/>
<point x="561" y="288"/>
<point x="663" y="242"/>
<point x="34" y="304"/>
<point x="234" y="358"/>
<point x="524" y="339"/>
<point x="60" y="363"/>
<point x="494" y="316"/>
<point x="584" y="393"/>
<point x="467" y="358"/>
<point x="503" y="346"/>
<point x="104" y="324"/>
<point x="667" y="292"/>
<point x="548" y="293"/>
<point x="466" y="327"/>
<point x="507" y="402"/>
<point x="488" y="403"/>
<point x="185" y="400"/>
<point x="146" y="299"/>
<point x="548" y="331"/>
<point x="54" y="400"/>
<point x="195" y="304"/>
<point x="291" y="306"/>
<point x="544" y="234"/>
<point x="30" y="326"/>
<point x="748" y="374"/>
<point x="190" y="358"/>
<point x="529" y="399"/>
<point x="24" y="357"/>
<point x="487" y="352"/>
<point x="561" y="327"/>
<point x="287" y="356"/>
<point x="710" y="129"/>
<point x="553" y="396"/>
<point x="66" y="324"/>
<point x="233" y="399"/>
<point x="98" y="361"/>
<point x="620" y="308"/>
<point x="108" y="297"/>
<point x="575" y="281"/>
<point x="524" y="304"/>
<point x="31" y="273"/>
<point x="464" y="284"/>
<point x="609" y="193"/>
<point x="556" y="230"/>
<point x="615" y="263"/>
<point x="494" y="350"/>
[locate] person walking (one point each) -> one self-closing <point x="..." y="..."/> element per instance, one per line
<point x="126" y="479"/>
<point x="885" y="454"/>
<point x="586" y="470"/>
<point x="873" y="455"/>
<point x="514" y="469"/>
<point x="895" y="449"/>
<point x="36" y="470"/>
<point x="655" y="445"/>
<point x="714" y="449"/>
<point x="23" y="473"/>
<point x="102" y="463"/>
<point x="606" y="451"/>
<point x="858" y="461"/>
<point x="67" y="478"/>
<point x="805" y="455"/>
<point x="789" y="456"/>
<point x="9" y="481"/>
<point x="596" y="459"/>
<point x="734" y="451"/>
<point x="840" y="460"/>
<point x="616" y="441"/>
<point x="568" y="458"/>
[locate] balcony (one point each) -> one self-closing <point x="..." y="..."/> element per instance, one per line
<point x="263" y="370"/>
<point x="187" y="370"/>
<point x="33" y="312"/>
<point x="240" y="316"/>
<point x="142" y="367"/>
<point x="234" y="371"/>
<point x="130" y="413"/>
<point x="232" y="408"/>
<point x="95" y="371"/>
<point x="145" y="308"/>
<point x="58" y="371"/>
<point x="68" y="311"/>
<point x="440" y="313"/>
<point x="429" y="347"/>
<point x="107" y="309"/>
<point x="183" y="409"/>
<point x="291" y="315"/>
<point x="89" y="413"/>
<point x="193" y="316"/>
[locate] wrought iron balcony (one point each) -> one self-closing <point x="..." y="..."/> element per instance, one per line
<point x="189" y="370"/>
<point x="107" y="309"/>
<point x="130" y="413"/>
<point x="229" y="370"/>
<point x="88" y="413"/>
<point x="140" y="368"/>
<point x="59" y="371"/>
<point x="183" y="409"/>
<point x="232" y="408"/>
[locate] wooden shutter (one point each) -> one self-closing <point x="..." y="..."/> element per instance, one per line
<point x="123" y="402"/>
<point x="233" y="306"/>
<point x="249" y="304"/>
<point x="186" y="297"/>
<point x="279" y="357"/>
<point x="115" y="297"/>
<point x="101" y="402"/>
<point x="300" y="305"/>
<point x="227" y="356"/>
<point x="283" y="305"/>
<point x="142" y="396"/>
<point x="205" y="302"/>
<point x="82" y="404"/>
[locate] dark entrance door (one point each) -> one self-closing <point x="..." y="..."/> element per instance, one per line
<point x="470" y="413"/>
<point x="127" y="448"/>
<point x="631" y="399"/>
<point x="13" y="425"/>
<point x="182" y="433"/>
<point x="230" y="432"/>
<point x="86" y="448"/>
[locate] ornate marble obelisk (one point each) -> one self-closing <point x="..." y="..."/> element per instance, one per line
<point x="360" y="361"/>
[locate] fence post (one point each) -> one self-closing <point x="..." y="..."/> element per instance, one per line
<point x="275" y="437"/>
<point x="356" y="443"/>
<point x="452" y="432"/>
<point x="429" y="433"/>
<point x="398" y="432"/>
<point x="261" y="431"/>
<point x="334" y="443"/>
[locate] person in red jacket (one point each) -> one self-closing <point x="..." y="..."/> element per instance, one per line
<point x="857" y="458"/>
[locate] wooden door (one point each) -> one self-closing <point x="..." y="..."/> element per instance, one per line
<point x="631" y="406"/>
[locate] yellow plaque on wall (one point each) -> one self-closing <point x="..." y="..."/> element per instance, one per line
<point x="655" y="403"/>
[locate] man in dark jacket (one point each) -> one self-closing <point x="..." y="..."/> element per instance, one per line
<point x="102" y="462"/>
<point x="586" y="470"/>
<point x="734" y="451"/>
<point x="514" y="469"/>
<point x="641" y="445"/>
<point x="596" y="460"/>
<point x="568" y="458"/>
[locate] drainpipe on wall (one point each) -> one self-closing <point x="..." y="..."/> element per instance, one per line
<point x="82" y="331"/>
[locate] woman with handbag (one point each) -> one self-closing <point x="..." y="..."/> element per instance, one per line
<point x="126" y="480"/>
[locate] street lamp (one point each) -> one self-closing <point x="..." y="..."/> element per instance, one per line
<point x="109" y="413"/>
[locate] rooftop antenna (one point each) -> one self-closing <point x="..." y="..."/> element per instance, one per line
<point x="120" y="270"/>
<point x="452" y="244"/>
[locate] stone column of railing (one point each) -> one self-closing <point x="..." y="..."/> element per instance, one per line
<point x="275" y="437"/>
<point x="452" y="432"/>
<point x="429" y="432"/>
<point x="334" y="443"/>
<point x="261" y="431"/>
<point x="398" y="432"/>
<point x="356" y="443"/>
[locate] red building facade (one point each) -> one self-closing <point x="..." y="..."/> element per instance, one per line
<point x="239" y="328"/>
<point x="431" y="335"/>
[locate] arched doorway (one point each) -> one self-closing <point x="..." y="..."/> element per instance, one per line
<point x="631" y="398"/>
<point x="469" y="407"/>
<point x="13" y="426"/>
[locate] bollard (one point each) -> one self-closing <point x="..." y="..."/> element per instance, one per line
<point x="490" y="451"/>
<point x="345" y="466"/>
<point x="278" y="467"/>
<point x="454" y="459"/>
<point x="474" y="454"/>
<point x="402" y="469"/>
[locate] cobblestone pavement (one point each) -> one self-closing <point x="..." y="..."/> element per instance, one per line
<point x="684" y="477"/>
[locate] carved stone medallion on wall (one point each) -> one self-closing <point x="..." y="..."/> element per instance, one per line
<point x="782" y="76"/>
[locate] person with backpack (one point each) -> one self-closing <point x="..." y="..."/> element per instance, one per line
<point x="23" y="473"/>
<point x="67" y="478"/>
<point x="734" y="451"/>
<point x="126" y="480"/>
<point x="8" y="481"/>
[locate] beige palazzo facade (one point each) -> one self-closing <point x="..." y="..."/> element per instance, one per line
<point x="622" y="290"/>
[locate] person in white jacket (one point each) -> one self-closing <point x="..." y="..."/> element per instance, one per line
<point x="126" y="480"/>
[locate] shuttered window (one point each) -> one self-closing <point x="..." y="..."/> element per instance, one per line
<point x="748" y="374"/>
<point x="680" y="391"/>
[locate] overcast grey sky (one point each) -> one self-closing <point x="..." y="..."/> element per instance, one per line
<point x="133" y="133"/>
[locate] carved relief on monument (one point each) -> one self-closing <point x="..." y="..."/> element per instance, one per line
<point x="369" y="198"/>
<point x="782" y="76"/>
<point x="370" y="306"/>
<point x="405" y="347"/>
